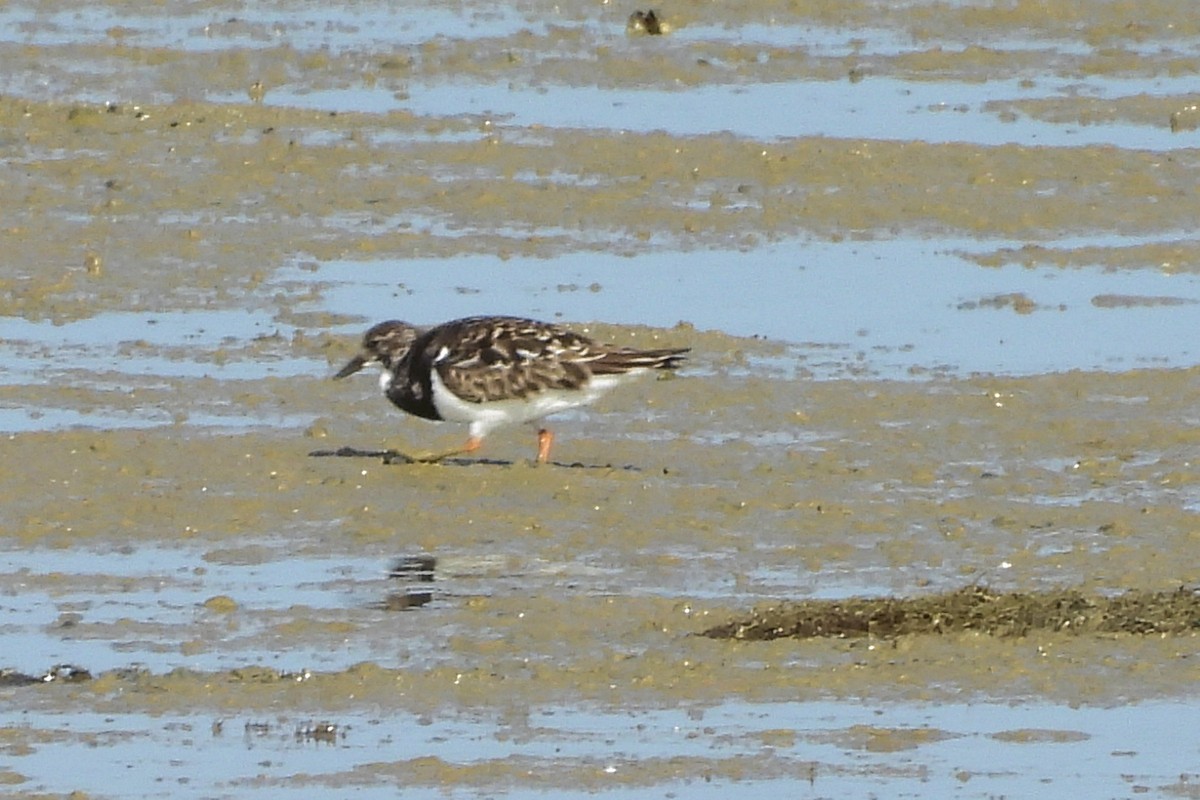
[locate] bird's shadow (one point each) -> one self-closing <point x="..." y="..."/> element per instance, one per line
<point x="397" y="457"/>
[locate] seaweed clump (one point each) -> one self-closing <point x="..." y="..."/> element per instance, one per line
<point x="973" y="608"/>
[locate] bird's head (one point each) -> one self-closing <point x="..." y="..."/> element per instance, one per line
<point x="386" y="344"/>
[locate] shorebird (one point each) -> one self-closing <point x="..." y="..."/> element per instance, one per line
<point x="494" y="371"/>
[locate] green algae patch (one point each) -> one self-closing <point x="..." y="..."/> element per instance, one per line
<point x="972" y="609"/>
<point x="1038" y="735"/>
<point x="1166" y="257"/>
<point x="876" y="739"/>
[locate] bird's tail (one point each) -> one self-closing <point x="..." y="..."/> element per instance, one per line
<point x="616" y="362"/>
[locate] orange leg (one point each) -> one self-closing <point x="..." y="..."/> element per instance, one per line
<point x="545" y="439"/>
<point x="473" y="444"/>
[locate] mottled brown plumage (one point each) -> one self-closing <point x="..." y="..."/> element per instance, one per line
<point x="493" y="371"/>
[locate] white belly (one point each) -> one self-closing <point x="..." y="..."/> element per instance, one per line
<point x="485" y="417"/>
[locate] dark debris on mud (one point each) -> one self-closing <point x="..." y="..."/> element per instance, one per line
<point x="396" y="457"/>
<point x="973" y="608"/>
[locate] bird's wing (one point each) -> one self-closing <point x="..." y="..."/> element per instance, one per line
<point x="511" y="359"/>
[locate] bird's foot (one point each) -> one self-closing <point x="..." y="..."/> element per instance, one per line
<point x="396" y="457"/>
<point x="418" y="458"/>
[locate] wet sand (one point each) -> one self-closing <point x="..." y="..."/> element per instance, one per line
<point x="167" y="527"/>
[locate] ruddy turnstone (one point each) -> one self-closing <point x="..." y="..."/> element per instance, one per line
<point x="496" y="371"/>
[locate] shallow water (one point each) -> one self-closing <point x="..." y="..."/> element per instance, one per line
<point x="855" y="296"/>
<point x="937" y="268"/>
<point x="879" y="108"/>
<point x="824" y="749"/>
